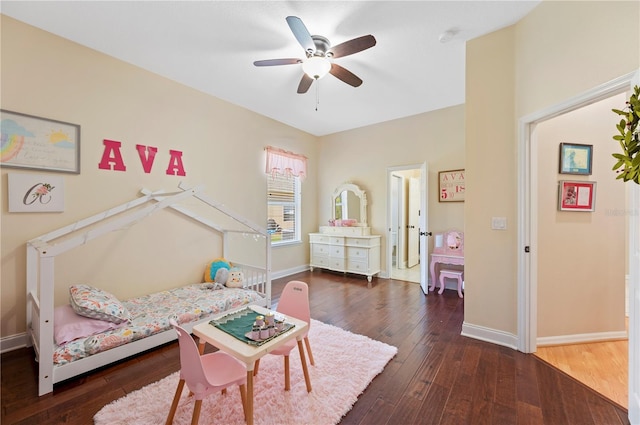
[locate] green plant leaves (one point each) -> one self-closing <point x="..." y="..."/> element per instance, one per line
<point x="629" y="139"/>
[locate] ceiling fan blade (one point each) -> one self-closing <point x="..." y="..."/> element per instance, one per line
<point x="301" y="33"/>
<point x="345" y="75"/>
<point x="352" y="46"/>
<point x="305" y="83"/>
<point x="274" y="62"/>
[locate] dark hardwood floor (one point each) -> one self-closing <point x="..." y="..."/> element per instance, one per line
<point x="438" y="376"/>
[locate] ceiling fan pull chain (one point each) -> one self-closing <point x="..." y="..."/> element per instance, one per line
<point x="317" y="93"/>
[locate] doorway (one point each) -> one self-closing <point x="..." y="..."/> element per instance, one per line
<point x="528" y="303"/>
<point x="562" y="254"/>
<point x="405" y="197"/>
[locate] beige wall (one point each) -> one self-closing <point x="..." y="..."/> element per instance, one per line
<point x="490" y="255"/>
<point x="222" y="147"/>
<point x="363" y="156"/>
<point x="559" y="50"/>
<point x="581" y="255"/>
<point x="47" y="76"/>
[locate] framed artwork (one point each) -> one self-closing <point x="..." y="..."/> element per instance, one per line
<point x="576" y="195"/>
<point x="451" y="186"/>
<point x="36" y="143"/>
<point x="575" y="159"/>
<point x="35" y="192"/>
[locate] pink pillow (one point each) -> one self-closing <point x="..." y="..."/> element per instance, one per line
<point x="67" y="325"/>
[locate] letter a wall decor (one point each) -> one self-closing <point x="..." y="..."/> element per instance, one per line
<point x="112" y="158"/>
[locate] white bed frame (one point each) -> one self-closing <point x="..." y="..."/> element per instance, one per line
<point x="42" y="251"/>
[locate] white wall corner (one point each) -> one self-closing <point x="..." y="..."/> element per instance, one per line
<point x="493" y="336"/>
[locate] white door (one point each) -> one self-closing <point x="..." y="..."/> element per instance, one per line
<point x="413" y="225"/>
<point x="634" y="296"/>
<point x="634" y="305"/>
<point x="423" y="231"/>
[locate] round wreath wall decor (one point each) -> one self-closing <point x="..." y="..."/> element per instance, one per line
<point x="629" y="139"/>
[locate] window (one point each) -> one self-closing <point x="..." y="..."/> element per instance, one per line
<point x="283" y="206"/>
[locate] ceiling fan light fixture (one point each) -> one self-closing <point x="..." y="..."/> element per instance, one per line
<point x="316" y="67"/>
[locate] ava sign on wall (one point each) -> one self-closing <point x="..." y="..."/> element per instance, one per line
<point x="112" y="158"/>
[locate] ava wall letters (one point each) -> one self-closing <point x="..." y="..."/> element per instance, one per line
<point x="112" y="158"/>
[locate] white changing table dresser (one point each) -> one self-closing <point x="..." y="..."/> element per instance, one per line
<point x="347" y="250"/>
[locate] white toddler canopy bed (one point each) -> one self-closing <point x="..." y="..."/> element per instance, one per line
<point x="147" y="317"/>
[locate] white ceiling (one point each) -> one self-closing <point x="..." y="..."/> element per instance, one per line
<point x="211" y="46"/>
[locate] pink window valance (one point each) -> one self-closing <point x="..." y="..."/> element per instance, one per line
<point x="286" y="163"/>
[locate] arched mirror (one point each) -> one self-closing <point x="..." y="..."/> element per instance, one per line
<point x="349" y="202"/>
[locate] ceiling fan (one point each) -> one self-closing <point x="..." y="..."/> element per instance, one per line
<point x="319" y="55"/>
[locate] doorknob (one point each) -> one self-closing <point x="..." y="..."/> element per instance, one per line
<point x="425" y="233"/>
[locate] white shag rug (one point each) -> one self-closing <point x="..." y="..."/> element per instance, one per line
<point x="345" y="364"/>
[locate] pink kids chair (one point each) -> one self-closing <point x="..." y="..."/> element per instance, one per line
<point x="205" y="374"/>
<point x="294" y="302"/>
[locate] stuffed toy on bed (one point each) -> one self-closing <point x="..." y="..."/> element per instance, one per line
<point x="236" y="278"/>
<point x="216" y="274"/>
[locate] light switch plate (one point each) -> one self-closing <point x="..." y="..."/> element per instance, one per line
<point x="499" y="223"/>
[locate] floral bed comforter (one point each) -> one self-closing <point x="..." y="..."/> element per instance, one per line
<point x="150" y="315"/>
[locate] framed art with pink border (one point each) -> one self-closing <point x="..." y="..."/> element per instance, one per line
<point x="576" y="195"/>
<point x="451" y="186"/>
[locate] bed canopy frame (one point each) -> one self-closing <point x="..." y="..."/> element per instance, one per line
<point x="42" y="251"/>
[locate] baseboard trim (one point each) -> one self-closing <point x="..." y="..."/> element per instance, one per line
<point x="289" y="272"/>
<point x="581" y="338"/>
<point x="493" y="336"/>
<point x="13" y="342"/>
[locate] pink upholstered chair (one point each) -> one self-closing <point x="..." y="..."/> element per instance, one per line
<point x="294" y="302"/>
<point x="205" y="374"/>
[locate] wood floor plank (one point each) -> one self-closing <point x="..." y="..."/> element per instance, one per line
<point x="551" y="401"/>
<point x="432" y="408"/>
<point x="484" y="390"/>
<point x="438" y="376"/>
<point x="527" y="414"/>
<point x="506" y="378"/>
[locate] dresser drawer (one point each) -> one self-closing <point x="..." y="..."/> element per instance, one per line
<point x="317" y="238"/>
<point x="319" y="249"/>
<point x="336" y="251"/>
<point x="358" y="254"/>
<point x="357" y="266"/>
<point x="336" y="240"/>
<point x="363" y="241"/>
<point x="320" y="261"/>
<point x="336" y="264"/>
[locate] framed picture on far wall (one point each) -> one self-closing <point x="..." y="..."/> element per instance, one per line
<point x="451" y="186"/>
<point x="576" y="195"/>
<point x="575" y="159"/>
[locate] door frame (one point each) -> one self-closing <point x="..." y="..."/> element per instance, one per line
<point x="528" y="231"/>
<point x="424" y="196"/>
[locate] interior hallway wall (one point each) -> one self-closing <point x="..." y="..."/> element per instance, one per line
<point x="540" y="61"/>
<point x="581" y="255"/>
